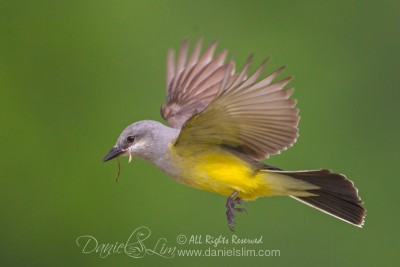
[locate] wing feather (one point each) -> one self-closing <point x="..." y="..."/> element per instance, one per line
<point x="255" y="117"/>
<point x="192" y="83"/>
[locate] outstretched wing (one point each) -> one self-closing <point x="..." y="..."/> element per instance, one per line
<point x="254" y="117"/>
<point x="192" y="84"/>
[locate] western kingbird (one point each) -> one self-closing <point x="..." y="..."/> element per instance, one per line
<point x="222" y="123"/>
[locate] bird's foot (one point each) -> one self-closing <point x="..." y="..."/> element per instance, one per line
<point x="230" y="208"/>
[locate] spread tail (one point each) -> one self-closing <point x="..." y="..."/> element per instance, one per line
<point x="335" y="196"/>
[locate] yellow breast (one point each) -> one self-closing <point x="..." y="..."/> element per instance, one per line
<point x="222" y="172"/>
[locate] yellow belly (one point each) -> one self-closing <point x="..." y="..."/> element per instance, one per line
<point x="219" y="171"/>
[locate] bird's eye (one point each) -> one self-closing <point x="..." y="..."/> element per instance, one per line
<point x="130" y="139"/>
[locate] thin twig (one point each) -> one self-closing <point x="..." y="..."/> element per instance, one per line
<point x="119" y="171"/>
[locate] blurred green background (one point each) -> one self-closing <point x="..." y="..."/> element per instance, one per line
<point x="73" y="74"/>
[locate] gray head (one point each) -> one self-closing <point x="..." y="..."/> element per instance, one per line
<point x="145" y="139"/>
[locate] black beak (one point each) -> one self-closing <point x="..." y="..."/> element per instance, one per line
<point x="114" y="152"/>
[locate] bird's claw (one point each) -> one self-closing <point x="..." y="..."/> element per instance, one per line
<point x="230" y="208"/>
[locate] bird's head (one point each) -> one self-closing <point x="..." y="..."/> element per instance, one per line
<point x="138" y="139"/>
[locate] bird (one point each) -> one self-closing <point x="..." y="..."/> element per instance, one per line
<point x="221" y="124"/>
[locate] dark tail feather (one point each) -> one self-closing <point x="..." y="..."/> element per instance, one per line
<point x="336" y="196"/>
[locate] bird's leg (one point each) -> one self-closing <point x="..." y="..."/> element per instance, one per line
<point x="230" y="208"/>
